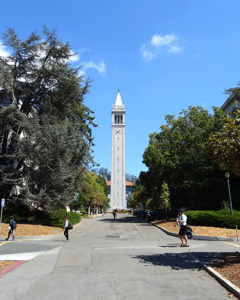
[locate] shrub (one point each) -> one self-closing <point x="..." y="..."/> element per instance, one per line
<point x="220" y="218"/>
<point x="29" y="215"/>
<point x="83" y="211"/>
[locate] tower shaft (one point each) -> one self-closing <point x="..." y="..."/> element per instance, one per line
<point x="118" y="173"/>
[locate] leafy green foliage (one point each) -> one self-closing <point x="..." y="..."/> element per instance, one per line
<point x="165" y="197"/>
<point x="221" y="218"/>
<point x="57" y="217"/>
<point x="93" y="193"/>
<point x="24" y="214"/>
<point x="226" y="144"/>
<point x="181" y="155"/>
<point x="138" y="197"/>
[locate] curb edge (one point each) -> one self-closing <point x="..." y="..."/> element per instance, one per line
<point x="222" y="280"/>
<point x="196" y="237"/>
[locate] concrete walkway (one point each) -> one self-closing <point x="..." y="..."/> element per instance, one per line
<point x="106" y="259"/>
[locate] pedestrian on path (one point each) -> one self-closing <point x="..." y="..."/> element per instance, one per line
<point x="148" y="217"/>
<point x="11" y="227"/>
<point x="66" y="228"/>
<point x="114" y="214"/>
<point x="182" y="221"/>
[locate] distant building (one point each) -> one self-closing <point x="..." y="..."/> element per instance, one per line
<point x="129" y="189"/>
<point x="230" y="105"/>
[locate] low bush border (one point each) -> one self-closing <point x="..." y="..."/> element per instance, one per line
<point x="220" y="218"/>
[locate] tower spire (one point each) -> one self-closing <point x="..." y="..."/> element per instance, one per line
<point x="118" y="99"/>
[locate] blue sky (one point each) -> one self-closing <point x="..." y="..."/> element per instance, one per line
<point x="162" y="55"/>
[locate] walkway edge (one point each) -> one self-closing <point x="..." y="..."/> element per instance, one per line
<point x="196" y="237"/>
<point x="222" y="280"/>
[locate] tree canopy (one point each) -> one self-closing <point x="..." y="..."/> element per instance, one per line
<point x="181" y="156"/>
<point x="45" y="127"/>
<point x="93" y="193"/>
<point x="226" y="144"/>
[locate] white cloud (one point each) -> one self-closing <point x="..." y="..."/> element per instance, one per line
<point x="3" y="51"/>
<point x="74" y="57"/>
<point x="163" y="40"/>
<point x="81" y="72"/>
<point x="159" y="44"/>
<point x="175" y="49"/>
<point x="100" y="67"/>
<point x="147" y="54"/>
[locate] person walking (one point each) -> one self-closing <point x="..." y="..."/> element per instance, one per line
<point x="66" y="228"/>
<point x="114" y="214"/>
<point x="182" y="221"/>
<point x="148" y="217"/>
<point x="12" y="226"/>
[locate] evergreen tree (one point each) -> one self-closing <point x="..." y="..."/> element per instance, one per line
<point x="45" y="132"/>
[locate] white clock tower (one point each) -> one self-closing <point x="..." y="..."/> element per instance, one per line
<point x="118" y="176"/>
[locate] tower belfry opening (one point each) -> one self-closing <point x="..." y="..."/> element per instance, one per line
<point x="118" y="174"/>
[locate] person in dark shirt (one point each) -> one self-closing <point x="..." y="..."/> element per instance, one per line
<point x="12" y="226"/>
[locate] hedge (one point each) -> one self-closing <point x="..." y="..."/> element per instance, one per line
<point x="220" y="218"/>
<point x="26" y="215"/>
<point x="57" y="217"/>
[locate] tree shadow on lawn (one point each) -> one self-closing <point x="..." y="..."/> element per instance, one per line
<point x="178" y="261"/>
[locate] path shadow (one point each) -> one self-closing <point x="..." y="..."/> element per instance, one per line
<point x="124" y="219"/>
<point x="178" y="261"/>
<point x="226" y="260"/>
<point x="176" y="245"/>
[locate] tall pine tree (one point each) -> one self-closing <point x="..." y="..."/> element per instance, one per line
<point x="45" y="127"/>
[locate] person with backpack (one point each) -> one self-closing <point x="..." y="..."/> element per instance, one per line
<point x="189" y="233"/>
<point x="182" y="222"/>
<point x="12" y="226"/>
<point x="67" y="226"/>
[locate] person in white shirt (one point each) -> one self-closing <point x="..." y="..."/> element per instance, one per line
<point x="182" y="221"/>
<point x="66" y="228"/>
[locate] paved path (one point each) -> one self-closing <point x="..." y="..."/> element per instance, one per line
<point x="106" y="259"/>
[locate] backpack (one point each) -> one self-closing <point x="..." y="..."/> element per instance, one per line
<point x="14" y="224"/>
<point x="70" y="226"/>
<point x="189" y="232"/>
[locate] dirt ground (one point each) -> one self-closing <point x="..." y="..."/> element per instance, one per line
<point x="228" y="266"/>
<point x="31" y="230"/>
<point x="4" y="263"/>
<point x="199" y="230"/>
